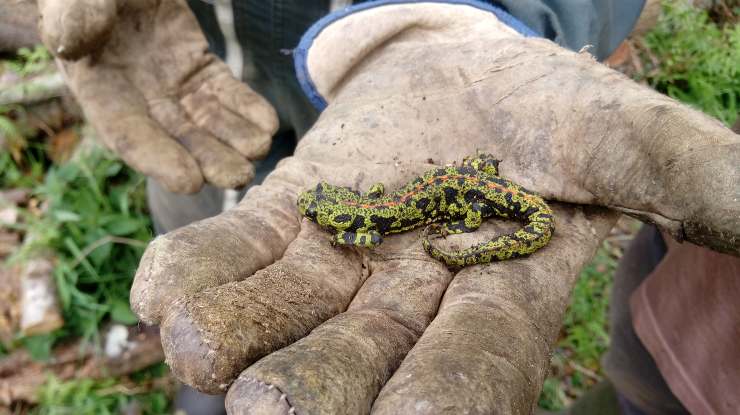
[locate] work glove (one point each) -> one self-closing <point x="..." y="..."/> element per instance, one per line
<point x="143" y="75"/>
<point x="257" y="302"/>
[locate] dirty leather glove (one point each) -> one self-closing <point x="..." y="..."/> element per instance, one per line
<point x="146" y="81"/>
<point x="257" y="302"/>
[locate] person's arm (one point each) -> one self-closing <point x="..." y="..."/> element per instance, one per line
<point x="598" y="25"/>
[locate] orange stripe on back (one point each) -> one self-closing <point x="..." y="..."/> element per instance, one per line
<point x="420" y="187"/>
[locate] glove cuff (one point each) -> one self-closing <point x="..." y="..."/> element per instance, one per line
<point x="339" y="42"/>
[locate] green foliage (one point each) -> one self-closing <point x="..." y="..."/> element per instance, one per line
<point x="22" y="163"/>
<point x="694" y="60"/>
<point x="553" y="395"/>
<point x="13" y="175"/>
<point x="93" y="397"/>
<point x="39" y="347"/>
<point x="8" y="129"/>
<point x="95" y="222"/>
<point x="585" y="335"/>
<point x="586" y="319"/>
<point x="29" y="61"/>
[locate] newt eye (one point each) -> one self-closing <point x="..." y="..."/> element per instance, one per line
<point x="311" y="211"/>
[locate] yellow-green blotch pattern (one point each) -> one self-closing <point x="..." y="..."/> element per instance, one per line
<point x="454" y="199"/>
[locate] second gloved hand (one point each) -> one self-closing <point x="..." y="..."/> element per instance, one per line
<point x="142" y="73"/>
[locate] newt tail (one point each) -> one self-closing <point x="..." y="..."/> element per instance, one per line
<point x="536" y="234"/>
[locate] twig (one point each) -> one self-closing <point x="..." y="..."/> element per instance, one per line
<point x="619" y="238"/>
<point x="123" y="390"/>
<point x="586" y="371"/>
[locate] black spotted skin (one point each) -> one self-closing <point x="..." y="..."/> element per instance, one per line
<point x="454" y="199"/>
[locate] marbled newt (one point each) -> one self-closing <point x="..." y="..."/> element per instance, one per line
<point x="459" y="196"/>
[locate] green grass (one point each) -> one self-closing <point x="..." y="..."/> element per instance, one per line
<point x="90" y="214"/>
<point x="695" y="60"/>
<point x="106" y="396"/>
<point x="584" y="338"/>
<point x="96" y="224"/>
<point x="29" y="61"/>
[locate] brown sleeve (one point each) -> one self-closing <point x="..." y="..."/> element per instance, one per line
<point x="687" y="314"/>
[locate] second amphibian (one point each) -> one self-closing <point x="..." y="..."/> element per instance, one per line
<point x="458" y="197"/>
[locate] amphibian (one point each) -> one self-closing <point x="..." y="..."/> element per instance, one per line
<point x="458" y="196"/>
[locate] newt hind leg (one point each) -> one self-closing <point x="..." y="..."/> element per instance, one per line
<point x="470" y="223"/>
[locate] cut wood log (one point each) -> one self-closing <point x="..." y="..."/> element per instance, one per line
<point x="28" y="299"/>
<point x="40" y="311"/>
<point x="8" y="215"/>
<point x="18" y="25"/>
<point x="17" y="196"/>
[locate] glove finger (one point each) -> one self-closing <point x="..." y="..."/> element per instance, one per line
<point x="231" y="111"/>
<point x="341" y="366"/>
<point x="119" y="114"/>
<point x="489" y="343"/>
<point x="210" y="336"/>
<point x="696" y="193"/>
<point x="278" y="305"/>
<point x="220" y="165"/>
<point x="72" y="29"/>
<point x="221" y="249"/>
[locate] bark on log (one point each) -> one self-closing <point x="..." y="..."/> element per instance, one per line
<point x="9" y="241"/>
<point x="40" y="311"/>
<point x="18" y="25"/>
<point x="17" y="196"/>
<point x="35" y="89"/>
<point x="9" y="309"/>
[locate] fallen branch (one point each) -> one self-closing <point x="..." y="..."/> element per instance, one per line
<point x="21" y="376"/>
<point x="32" y="90"/>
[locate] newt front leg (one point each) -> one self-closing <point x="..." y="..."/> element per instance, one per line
<point x="367" y="239"/>
<point x="376" y="191"/>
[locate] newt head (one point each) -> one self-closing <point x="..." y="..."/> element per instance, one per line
<point x="324" y="202"/>
<point x="307" y="205"/>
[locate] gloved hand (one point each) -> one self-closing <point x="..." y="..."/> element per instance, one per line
<point x="146" y="81"/>
<point x="258" y="302"/>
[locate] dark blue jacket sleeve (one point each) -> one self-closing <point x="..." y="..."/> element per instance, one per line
<point x="603" y="24"/>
